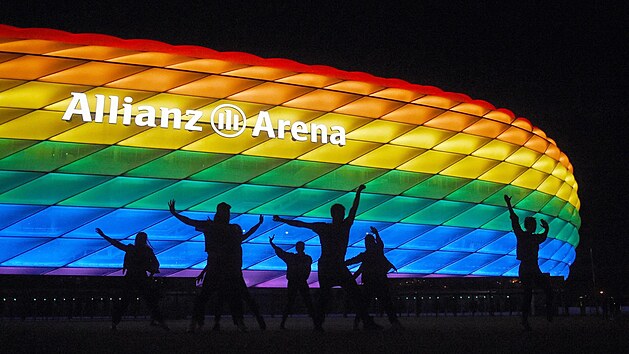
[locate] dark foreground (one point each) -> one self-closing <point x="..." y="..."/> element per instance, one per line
<point x="421" y="334"/>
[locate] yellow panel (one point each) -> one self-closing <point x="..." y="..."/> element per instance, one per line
<point x="537" y="143"/>
<point x="387" y="156"/>
<point x="215" y="86"/>
<point x="337" y="154"/>
<point x="30" y="67"/>
<point x="160" y="138"/>
<point x="359" y="87"/>
<point x="379" y="131"/>
<point x="283" y="148"/>
<point x="6" y="114"/>
<point x="307" y="79"/>
<point x="91" y="99"/>
<point x="436" y="101"/>
<point x="398" y="94"/>
<point x="431" y="162"/>
<point x="260" y="73"/>
<point x="553" y="151"/>
<point x="515" y="135"/>
<point x="551" y="185"/>
<point x="210" y="66"/>
<point x="93" y="52"/>
<point x="462" y="143"/>
<point x="470" y="108"/>
<point x="423" y="137"/>
<point x="37" y="94"/>
<point x="348" y="122"/>
<point x="34" y="46"/>
<point x="452" y="121"/>
<point x="38" y="125"/>
<point x="470" y="167"/>
<point x="217" y="143"/>
<point x="499" y="116"/>
<point x="151" y="59"/>
<point x="322" y="100"/>
<point x="530" y="179"/>
<point x="288" y="114"/>
<point x="503" y="173"/>
<point x="156" y="80"/>
<point x="525" y="157"/>
<point x="496" y="150"/>
<point x="413" y="114"/>
<point x="486" y="127"/>
<point x="570" y="179"/>
<point x="93" y="73"/>
<point x="564" y="192"/>
<point x="171" y="101"/>
<point x="99" y="133"/>
<point x="560" y="172"/>
<point x="250" y="110"/>
<point x="574" y="200"/>
<point x="7" y="84"/>
<point x="271" y="93"/>
<point x="545" y="164"/>
<point x="369" y="107"/>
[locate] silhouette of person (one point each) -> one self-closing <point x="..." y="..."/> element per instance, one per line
<point x="222" y="274"/>
<point x="139" y="259"/>
<point x="334" y="238"/>
<point x="374" y="267"/>
<point x="527" y="250"/>
<point x="297" y="273"/>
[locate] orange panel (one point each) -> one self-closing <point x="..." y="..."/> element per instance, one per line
<point x="211" y="66"/>
<point x="260" y="73"/>
<point x="151" y="59"/>
<point x="523" y="123"/>
<point x="538" y="131"/>
<point x="553" y="151"/>
<point x="271" y="93"/>
<point x="452" y="121"/>
<point x="156" y="80"/>
<point x="321" y="100"/>
<point x="361" y="88"/>
<point x="30" y="67"/>
<point x="470" y="108"/>
<point x="486" y="127"/>
<point x="537" y="143"/>
<point x="307" y="79"/>
<point x="7" y="84"/>
<point x="515" y="135"/>
<point x="93" y="52"/>
<point x="93" y="73"/>
<point x="436" y="101"/>
<point x="215" y="86"/>
<point x="413" y="114"/>
<point x="34" y="46"/>
<point x="369" y="107"/>
<point x="398" y="94"/>
<point x="499" y="116"/>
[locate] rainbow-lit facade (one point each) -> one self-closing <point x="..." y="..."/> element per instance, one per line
<point x="436" y="164"/>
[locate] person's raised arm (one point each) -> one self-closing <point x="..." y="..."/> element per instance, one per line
<point x="184" y="219"/>
<point x="356" y="259"/>
<point x="515" y="221"/>
<point x="354" y="208"/>
<point x="543" y="235"/>
<point x="278" y="251"/>
<point x="119" y="245"/>
<point x="379" y="242"/>
<point x="296" y="223"/>
<point x="253" y="229"/>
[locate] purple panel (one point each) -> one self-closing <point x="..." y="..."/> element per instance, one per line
<point x="24" y="270"/>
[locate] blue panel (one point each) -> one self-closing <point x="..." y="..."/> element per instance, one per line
<point x="56" y="253"/>
<point x="503" y="245"/>
<point x="572" y="254"/>
<point x="289" y="235"/>
<point x="498" y="267"/>
<point x="255" y="253"/>
<point x="247" y="221"/>
<point x="469" y="264"/>
<point x="273" y="263"/>
<point x="183" y="255"/>
<point x="437" y="238"/>
<point x="400" y="258"/>
<point x="12" y="213"/>
<point x="171" y="229"/>
<point x="432" y="262"/>
<point x="474" y="240"/>
<point x="54" y="221"/>
<point x="12" y="246"/>
<point x="546" y="265"/>
<point x="562" y="252"/>
<point x="362" y="228"/>
<point x="121" y="223"/>
<point x="398" y="234"/>
<point x="111" y="257"/>
<point x="549" y="247"/>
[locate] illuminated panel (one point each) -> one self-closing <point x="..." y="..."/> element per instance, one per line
<point x="436" y="164"/>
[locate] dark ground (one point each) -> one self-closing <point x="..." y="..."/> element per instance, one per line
<point x="481" y="334"/>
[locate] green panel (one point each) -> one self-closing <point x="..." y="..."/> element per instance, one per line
<point x="438" y="212"/>
<point x="113" y="160"/>
<point x="9" y="146"/>
<point x="567" y="212"/>
<point x="576" y="219"/>
<point x="503" y="222"/>
<point x="534" y="201"/>
<point x="516" y="194"/>
<point x="346" y="178"/>
<point x="396" y="209"/>
<point x="367" y="201"/>
<point x="475" y="191"/>
<point x="47" y="156"/>
<point x="12" y="179"/>
<point x="554" y="206"/>
<point x="560" y="230"/>
<point x="51" y="188"/>
<point x="297" y="202"/>
<point x="395" y="182"/>
<point x="437" y="187"/>
<point x="243" y="198"/>
<point x="186" y="193"/>
<point x="476" y="216"/>
<point x="117" y="192"/>
<point x="178" y="164"/>
<point x="294" y="173"/>
<point x="238" y="169"/>
<point x="574" y="238"/>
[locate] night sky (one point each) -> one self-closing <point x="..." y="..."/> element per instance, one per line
<point x="561" y="65"/>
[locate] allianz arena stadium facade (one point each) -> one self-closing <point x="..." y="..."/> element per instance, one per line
<point x="97" y="131"/>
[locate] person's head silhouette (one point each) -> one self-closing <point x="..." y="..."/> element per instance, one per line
<point x="370" y="241"/>
<point x="530" y="224"/>
<point x="337" y="211"/>
<point x="222" y="213"/>
<point x="141" y="239"/>
<point x="300" y="246"/>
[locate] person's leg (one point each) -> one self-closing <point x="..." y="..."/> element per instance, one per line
<point x="543" y="281"/>
<point x="291" y="293"/>
<point x="304" y="291"/>
<point x="527" y="296"/>
<point x="387" y="302"/>
<point x="151" y="297"/>
<point x="325" y="290"/>
<point x="198" y="310"/>
<point x="252" y="304"/>
<point x="353" y="291"/>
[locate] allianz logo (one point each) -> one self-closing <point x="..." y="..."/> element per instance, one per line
<point x="227" y="120"/>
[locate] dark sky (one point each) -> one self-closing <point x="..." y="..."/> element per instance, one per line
<point x="560" y="64"/>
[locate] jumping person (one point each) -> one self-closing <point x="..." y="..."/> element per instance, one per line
<point x="334" y="238"/>
<point x="297" y="273"/>
<point x="374" y="268"/>
<point x="139" y="259"/>
<point x="527" y="250"/>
